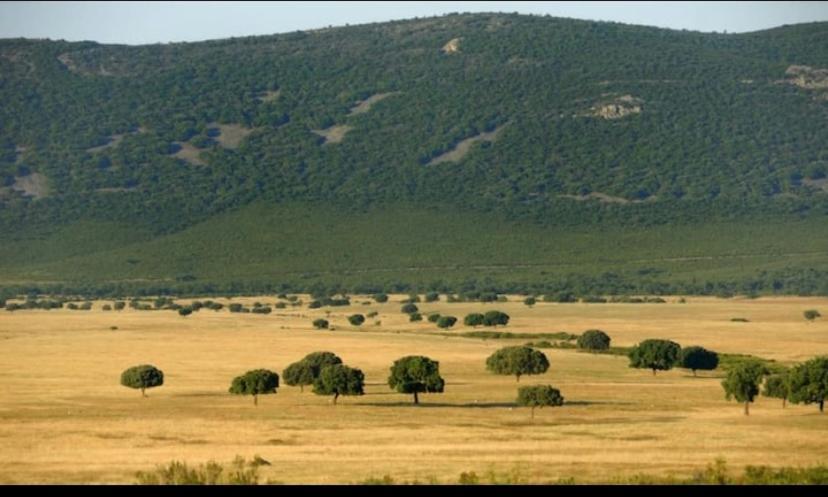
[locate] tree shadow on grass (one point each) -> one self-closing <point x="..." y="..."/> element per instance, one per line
<point x="596" y="403"/>
<point x="479" y="405"/>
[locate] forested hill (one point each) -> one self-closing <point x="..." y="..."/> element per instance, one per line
<point x="545" y="122"/>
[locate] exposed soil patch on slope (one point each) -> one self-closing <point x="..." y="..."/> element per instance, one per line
<point x="269" y="95"/>
<point x="365" y="105"/>
<point x="230" y="135"/>
<point x="34" y="185"/>
<point x="807" y="77"/>
<point x="189" y="153"/>
<point x="334" y="134"/>
<point x="607" y="199"/>
<point x="617" y="108"/>
<point x="453" y="46"/>
<point x="821" y="183"/>
<point x="462" y="148"/>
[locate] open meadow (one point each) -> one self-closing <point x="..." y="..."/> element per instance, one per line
<point x="64" y="417"/>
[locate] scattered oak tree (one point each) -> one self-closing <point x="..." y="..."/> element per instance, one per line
<point x="696" y="357"/>
<point x="517" y="360"/>
<point x="473" y="319"/>
<point x="409" y="308"/>
<point x="415" y="375"/>
<point x="655" y="354"/>
<point x="320" y="324"/>
<point x="380" y="297"/>
<point x="304" y="372"/>
<point x="777" y="387"/>
<point x="809" y="382"/>
<point x="594" y="340"/>
<point x="415" y="316"/>
<point x="256" y="382"/>
<point x="142" y="377"/>
<point x="446" y="321"/>
<point x="337" y="380"/>
<point x="539" y="396"/>
<point x="811" y="314"/>
<point x="433" y="318"/>
<point x="742" y="382"/>
<point x="495" y="318"/>
<point x="530" y="301"/>
<point x="356" y="319"/>
<point x="432" y="297"/>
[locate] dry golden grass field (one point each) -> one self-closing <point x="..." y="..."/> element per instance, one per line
<point x="66" y="419"/>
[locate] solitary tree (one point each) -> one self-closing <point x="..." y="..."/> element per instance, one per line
<point x="416" y="374"/>
<point x="339" y="380"/>
<point x="446" y="321"/>
<point x="696" y="357"/>
<point x="473" y="319"/>
<point x="495" y="318"/>
<point x="142" y="377"/>
<point x="594" y="340"/>
<point x="654" y="354"/>
<point x="320" y="324"/>
<point x="356" y="319"/>
<point x="433" y="318"/>
<point x="517" y="360"/>
<point x="256" y="382"/>
<point x="409" y="308"/>
<point x="811" y="314"/>
<point x="185" y="311"/>
<point x="530" y="301"/>
<point x="539" y="396"/>
<point x="809" y="382"/>
<point x="777" y="386"/>
<point x="415" y="316"/>
<point x="380" y="297"/>
<point x="742" y="382"/>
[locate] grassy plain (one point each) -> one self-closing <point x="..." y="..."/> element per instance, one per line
<point x="65" y="418"/>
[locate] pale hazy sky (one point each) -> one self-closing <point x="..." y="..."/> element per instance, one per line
<point x="153" y="22"/>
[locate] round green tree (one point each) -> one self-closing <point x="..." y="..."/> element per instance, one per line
<point x="415" y="375"/>
<point x="356" y="319"/>
<point x="811" y="314"/>
<point x="594" y="340"/>
<point x="517" y="360"/>
<point x="696" y="357"/>
<point x="304" y="372"/>
<point x="809" y="382"/>
<point x="742" y="382"/>
<point x="256" y="382"/>
<point x="530" y="301"/>
<point x="142" y="377"/>
<point x="495" y="318"/>
<point x="320" y="324"/>
<point x="655" y="354"/>
<point x="415" y="316"/>
<point x="539" y="396"/>
<point x="339" y="380"/>
<point x="409" y="308"/>
<point x="446" y="321"/>
<point x="473" y="319"/>
<point x="380" y="297"/>
<point x="777" y="386"/>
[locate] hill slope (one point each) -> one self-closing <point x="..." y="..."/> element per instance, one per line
<point x="550" y="128"/>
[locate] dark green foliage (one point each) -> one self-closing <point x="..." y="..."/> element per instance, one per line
<point x="563" y="297"/>
<point x="185" y="311"/>
<point x="698" y="358"/>
<point x="742" y="382"/>
<point x="809" y="382"/>
<point x="495" y="318"/>
<point x="415" y="375"/>
<point x="739" y="320"/>
<point x="320" y="324"/>
<point x="409" y="308"/>
<point x="530" y="301"/>
<point x="655" y="354"/>
<point x="518" y="361"/>
<point x="485" y="335"/>
<point x="811" y="314"/>
<point x="235" y="307"/>
<point x="142" y="377"/>
<point x="380" y="297"/>
<point x="106" y="307"/>
<point x="339" y="380"/>
<point x="415" y="316"/>
<point x="304" y="372"/>
<point x="356" y="319"/>
<point x="256" y="382"/>
<point x="778" y="387"/>
<point x="594" y="340"/>
<point x="433" y="318"/>
<point x="315" y="304"/>
<point x="446" y="321"/>
<point x="432" y="297"/>
<point x="473" y="319"/>
<point x="539" y="396"/>
<point x="262" y="310"/>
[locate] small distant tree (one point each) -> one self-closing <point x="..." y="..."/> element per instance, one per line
<point x="339" y="380"/>
<point x="320" y="324"/>
<point x="655" y="354"/>
<point x="409" y="308"/>
<point x="142" y="377"/>
<point x="433" y="318"/>
<point x="474" y="319"/>
<point x="415" y="316"/>
<point x="315" y="304"/>
<point x="119" y="305"/>
<point x="432" y="297"/>
<point x="539" y="396"/>
<point x="811" y="314"/>
<point x="742" y="382"/>
<point x="185" y="311"/>
<point x="777" y="386"/>
<point x="495" y="318"/>
<point x="446" y="321"/>
<point x="256" y="382"/>
<point x="517" y="360"/>
<point x="696" y="357"/>
<point x="106" y="307"/>
<point x="530" y="301"/>
<point x="594" y="340"/>
<point x="380" y="297"/>
<point x="235" y="307"/>
<point x="416" y="374"/>
<point x="356" y="319"/>
<point x="809" y="382"/>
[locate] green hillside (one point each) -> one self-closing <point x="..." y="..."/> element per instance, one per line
<point x="501" y="151"/>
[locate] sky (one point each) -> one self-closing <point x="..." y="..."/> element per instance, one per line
<point x="136" y="23"/>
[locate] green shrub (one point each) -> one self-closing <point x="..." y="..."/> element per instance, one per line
<point x="594" y="340"/>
